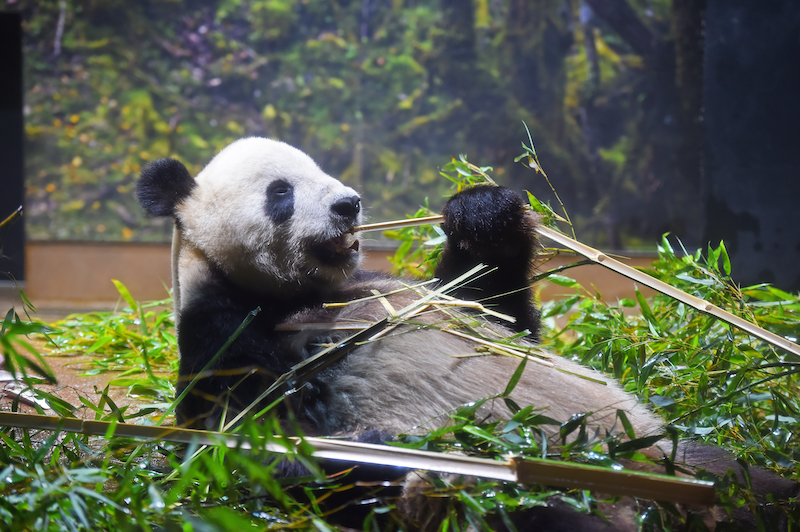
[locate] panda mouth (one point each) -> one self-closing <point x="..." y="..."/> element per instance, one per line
<point x="337" y="250"/>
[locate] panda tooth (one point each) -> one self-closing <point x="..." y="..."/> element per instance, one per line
<point x="354" y="246"/>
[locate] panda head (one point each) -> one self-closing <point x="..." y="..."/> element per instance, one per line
<point x="261" y="212"/>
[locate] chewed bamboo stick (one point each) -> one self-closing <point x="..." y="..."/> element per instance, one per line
<point x="526" y="471"/>
<point x="629" y="272"/>
<point x="494" y="345"/>
<point x="453" y="302"/>
<point x="329" y="326"/>
<point x="398" y="224"/>
<point x="368" y="298"/>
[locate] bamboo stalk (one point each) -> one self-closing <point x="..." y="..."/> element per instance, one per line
<point x="695" y="302"/>
<point x="629" y="272"/>
<point x="11" y="217"/>
<point x="527" y="471"/>
<point x="398" y="224"/>
<point x="331" y="326"/>
<point x="506" y="350"/>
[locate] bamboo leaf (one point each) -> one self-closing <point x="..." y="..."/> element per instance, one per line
<point x="562" y="281"/>
<point x="126" y="295"/>
<point x="647" y="312"/>
<point x="726" y="261"/>
<point x="515" y="378"/>
<point x="480" y="433"/>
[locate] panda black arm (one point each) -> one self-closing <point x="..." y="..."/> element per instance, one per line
<point x="492" y="226"/>
<point x="249" y="365"/>
<point x="206" y="323"/>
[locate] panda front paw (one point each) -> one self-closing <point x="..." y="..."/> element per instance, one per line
<point x="492" y="226"/>
<point x="489" y="223"/>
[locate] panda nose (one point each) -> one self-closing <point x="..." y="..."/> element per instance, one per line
<point x="347" y="207"/>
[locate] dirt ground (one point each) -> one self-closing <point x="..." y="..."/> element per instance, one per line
<point x="69" y="370"/>
<point x="72" y="383"/>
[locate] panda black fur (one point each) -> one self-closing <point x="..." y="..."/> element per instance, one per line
<point x="262" y="226"/>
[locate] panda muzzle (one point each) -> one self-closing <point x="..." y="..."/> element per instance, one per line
<point x="336" y="249"/>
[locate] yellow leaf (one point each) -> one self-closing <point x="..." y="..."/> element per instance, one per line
<point x="269" y="112"/>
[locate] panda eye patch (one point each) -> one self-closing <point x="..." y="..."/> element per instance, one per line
<point x="280" y="201"/>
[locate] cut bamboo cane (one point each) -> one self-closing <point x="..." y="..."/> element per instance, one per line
<point x="399" y="224"/>
<point x="629" y="272"/>
<point x="528" y="471"/>
<point x="11" y="217"/>
<point x="695" y="302"/>
<point x="507" y="350"/>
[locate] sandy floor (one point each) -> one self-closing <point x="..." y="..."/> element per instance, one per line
<point x="69" y="370"/>
<point x="72" y="384"/>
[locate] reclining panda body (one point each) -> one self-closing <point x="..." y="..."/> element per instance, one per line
<point x="263" y="226"/>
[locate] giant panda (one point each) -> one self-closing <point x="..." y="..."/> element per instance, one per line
<point x="263" y="227"/>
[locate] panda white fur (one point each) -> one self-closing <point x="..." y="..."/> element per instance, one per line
<point x="263" y="226"/>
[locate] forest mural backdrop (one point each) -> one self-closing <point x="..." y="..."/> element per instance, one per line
<point x="383" y="93"/>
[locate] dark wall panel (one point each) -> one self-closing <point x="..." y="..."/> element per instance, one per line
<point x="11" y="156"/>
<point x="752" y="137"/>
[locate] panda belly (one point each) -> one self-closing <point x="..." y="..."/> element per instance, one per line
<point x="411" y="381"/>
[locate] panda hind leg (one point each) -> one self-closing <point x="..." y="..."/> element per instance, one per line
<point x="368" y="486"/>
<point x="774" y="497"/>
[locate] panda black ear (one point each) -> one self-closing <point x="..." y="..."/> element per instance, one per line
<point x="163" y="185"/>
